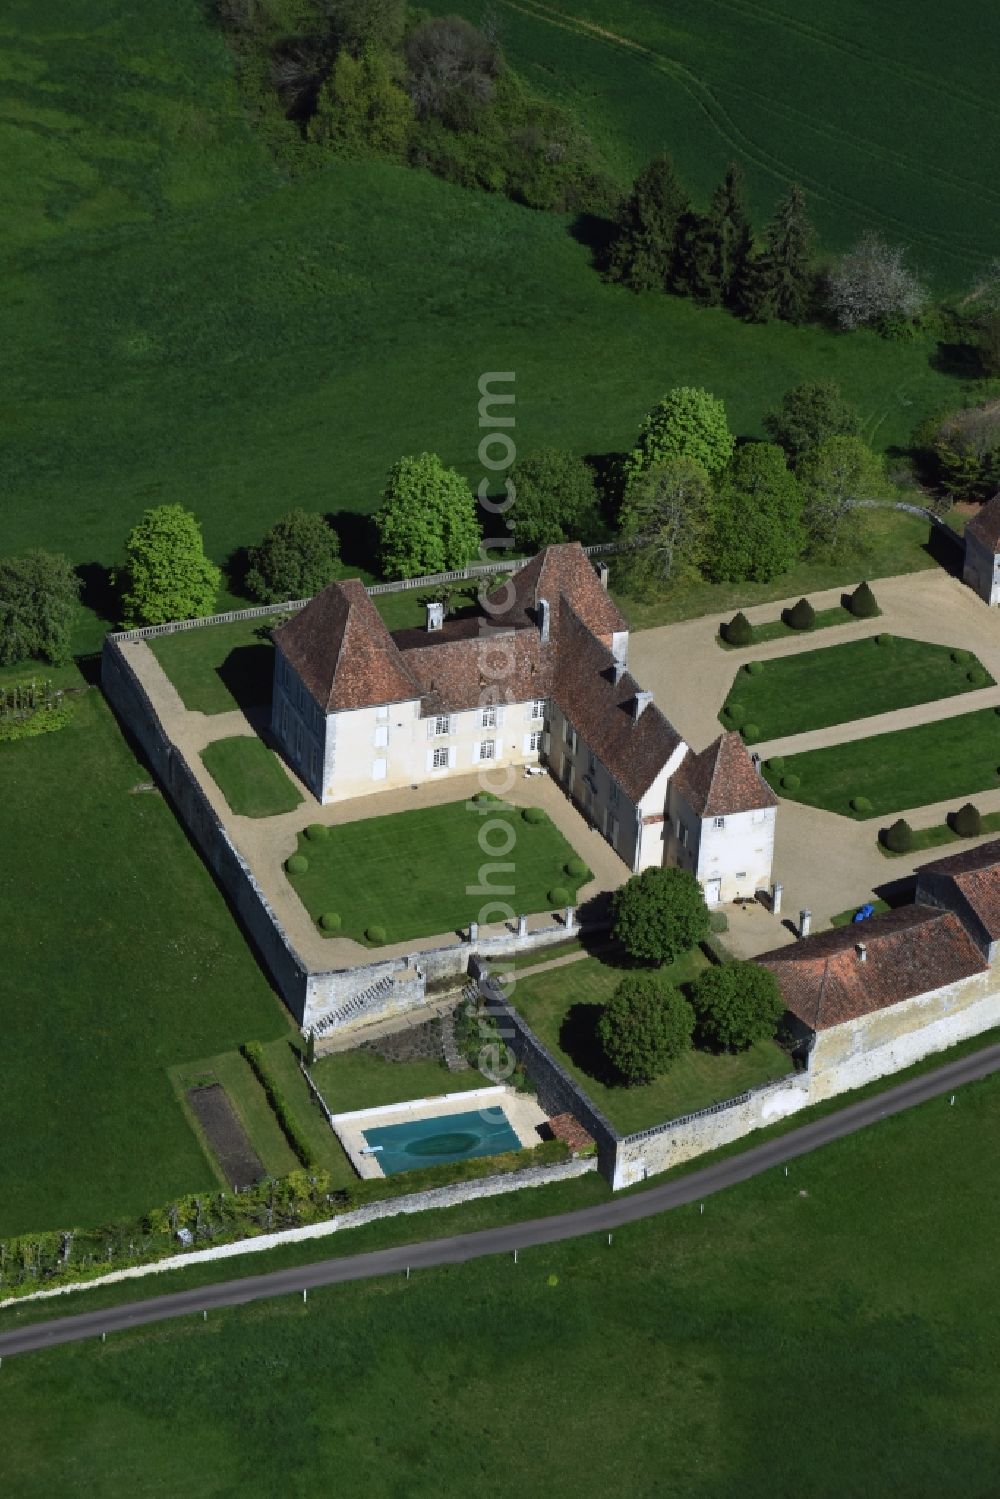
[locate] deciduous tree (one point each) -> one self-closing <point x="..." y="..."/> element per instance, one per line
<point x="645" y="1025"/>
<point x="757" y="527"/>
<point x="667" y="516"/>
<point x="38" y="598"/>
<point x="872" y="283"/>
<point x="554" y="498"/>
<point x="660" y="914"/>
<point x="166" y="574"/>
<point x="297" y="557"/>
<point x="836" y="478"/>
<point x="687" y="422"/>
<point x="808" y="415"/>
<point x="427" y="522"/>
<point x="737" y="1004"/>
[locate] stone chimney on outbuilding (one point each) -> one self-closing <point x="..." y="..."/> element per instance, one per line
<point x="435" y="616"/>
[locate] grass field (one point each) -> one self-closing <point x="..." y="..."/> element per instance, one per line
<point x="909" y="768"/>
<point x="121" y="959"/>
<point x="243" y="341"/>
<point x="410" y="872"/>
<point x="687" y="1326"/>
<point x="563" y="1008"/>
<point x="814" y="689"/>
<point x="361" y="1080"/>
<point x="250" y="776"/>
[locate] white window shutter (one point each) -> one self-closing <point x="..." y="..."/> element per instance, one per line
<point x="430" y="728"/>
<point x="452" y="753"/>
<point x="527" y="745"/>
<point x="476" y="744"/>
<point x="430" y="759"/>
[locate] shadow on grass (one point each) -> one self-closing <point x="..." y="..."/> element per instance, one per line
<point x="578" y="1038"/>
<point x="358" y="536"/>
<point x="247" y="673"/>
<point x="899" y="892"/>
<point x="98" y="593"/>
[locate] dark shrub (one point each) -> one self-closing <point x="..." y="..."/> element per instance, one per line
<point x="576" y="868"/>
<point x="776" y="763"/>
<point x="735" y="712"/>
<point x="560" y="896"/>
<point x="375" y="933"/>
<point x="738" y="631"/>
<point x="967" y="822"/>
<point x="976" y="676"/>
<point x="962" y="658"/>
<point x="297" y="864"/>
<point x="718" y="921"/>
<point x="898" y="839"/>
<point x="791" y="782"/>
<point x="802" y="616"/>
<point x="754" y="668"/>
<point x="883" y="639"/>
<point x="330" y="921"/>
<point x="863" y="604"/>
<point x="751" y="731"/>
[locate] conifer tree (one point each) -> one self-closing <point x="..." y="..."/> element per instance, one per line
<point x="696" y="269"/>
<point x="644" y="249"/>
<point x="780" y="283"/>
<point x="730" y="224"/>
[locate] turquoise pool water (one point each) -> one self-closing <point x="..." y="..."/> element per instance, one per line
<point x="453" y="1137"/>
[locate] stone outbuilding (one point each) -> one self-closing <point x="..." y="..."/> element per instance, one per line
<point x="968" y="884"/>
<point x="982" y="552"/>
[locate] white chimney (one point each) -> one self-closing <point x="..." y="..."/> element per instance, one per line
<point x="602" y="573"/>
<point x="544" y="619"/>
<point x="642" y="702"/>
<point x="862" y="952"/>
<point x="435" y="616"/>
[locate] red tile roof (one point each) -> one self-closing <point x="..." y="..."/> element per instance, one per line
<point x="723" y="780"/>
<point x="566" y="1127"/>
<point x="342" y="651"/>
<point x="910" y="951"/>
<point x="976" y="873"/>
<point x="985" y="525"/>
<point x="558" y="572"/>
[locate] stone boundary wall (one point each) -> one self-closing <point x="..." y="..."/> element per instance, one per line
<point x="401" y="585"/>
<point x="389" y="1207"/>
<point x="557" y="1091"/>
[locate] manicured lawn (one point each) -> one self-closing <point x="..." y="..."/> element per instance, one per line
<point x="563" y="1008"/>
<point x="250" y="776"/>
<point x="896" y="543"/>
<point x="120" y="960"/>
<point x="909" y="768"/>
<point x="361" y="1080"/>
<point x="411" y="872"/>
<point x="217" y="668"/>
<point x="813" y="689"/>
<point x="687" y="1325"/>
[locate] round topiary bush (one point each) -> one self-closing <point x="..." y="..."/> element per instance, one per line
<point x="297" y="864"/>
<point x="317" y="831"/>
<point x="967" y="821"/>
<point x="802" y="616"/>
<point x="791" y="782"/>
<point x="776" y="763"/>
<point x="860" y="804"/>
<point x="738" y="631"/>
<point x="483" y="797"/>
<point x="883" y="639"/>
<point x="863" y="603"/>
<point x="750" y="732"/>
<point x="735" y="713"/>
<point x="534" y="815"/>
<point x="560" y="896"/>
<point x="718" y="921"/>
<point x="962" y="658"/>
<point x="898" y="838"/>
<point x="576" y="868"/>
<point x="976" y="676"/>
<point x="330" y="921"/>
<point x="375" y="933"/>
<point x="754" y="668"/>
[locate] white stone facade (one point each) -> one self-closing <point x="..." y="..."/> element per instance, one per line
<point x="731" y="856"/>
<point x="982" y="569"/>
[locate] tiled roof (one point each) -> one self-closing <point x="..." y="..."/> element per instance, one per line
<point x="723" y="780"/>
<point x="976" y="873"/>
<point x="985" y="525"/>
<point x="342" y="651"/>
<point x="558" y="572"/>
<point x="569" y="1129"/>
<point x="602" y="710"/>
<point x="468" y="668"/>
<point x="910" y="951"/>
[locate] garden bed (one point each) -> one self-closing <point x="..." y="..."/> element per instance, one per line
<point x="390" y="879"/>
<point x="840" y="683"/>
<point x="226" y="1137"/>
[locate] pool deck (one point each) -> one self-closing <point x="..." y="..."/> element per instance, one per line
<point x="523" y="1115"/>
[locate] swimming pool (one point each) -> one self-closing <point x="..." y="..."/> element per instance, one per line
<point x="449" y="1137"/>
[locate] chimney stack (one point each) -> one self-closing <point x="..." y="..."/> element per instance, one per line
<point x="435" y="616"/>
<point x="544" y="619"/>
<point x="642" y="702"/>
<point x="862" y="952"/>
<point x="602" y="573"/>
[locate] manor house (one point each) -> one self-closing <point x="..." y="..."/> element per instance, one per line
<point x="539" y="678"/>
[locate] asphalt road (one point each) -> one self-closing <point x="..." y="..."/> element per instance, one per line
<point x="602" y="1218"/>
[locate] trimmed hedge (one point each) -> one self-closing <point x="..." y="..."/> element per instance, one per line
<point x="860" y="804"/>
<point x="576" y="868"/>
<point x="863" y="603"/>
<point x="751" y="731"/>
<point x="534" y="816"/>
<point x="961" y="658"/>
<point x="736" y="713"/>
<point x="375" y="933"/>
<point x="884" y="639"/>
<point x="776" y="763"/>
<point x="330" y="921"/>
<point x="254" y="1054"/>
<point x="738" y="631"/>
<point x="801" y="616"/>
<point x="754" y="668"/>
<point x="967" y="821"/>
<point x="297" y="864"/>
<point x="976" y="676"/>
<point x="791" y="782"/>
<point x="898" y="838"/>
<point x="560" y="896"/>
<point x="317" y="831"/>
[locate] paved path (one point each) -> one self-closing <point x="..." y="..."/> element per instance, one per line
<point x="603" y="1218"/>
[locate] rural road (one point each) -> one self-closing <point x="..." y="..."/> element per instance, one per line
<point x="602" y="1218"/>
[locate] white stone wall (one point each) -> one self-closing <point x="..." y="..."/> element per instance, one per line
<point x="982" y="570"/>
<point x="643" y="1155"/>
<point x="735" y="860"/>
<point x="850" y="1055"/>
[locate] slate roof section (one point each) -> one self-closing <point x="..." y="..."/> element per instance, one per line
<point x="342" y="651"/>
<point x="985" y="526"/>
<point x="722" y="780"/>
<point x="558" y="572"/>
<point x="976" y="874"/>
<point x="909" y="951"/>
<point x="602" y="710"/>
